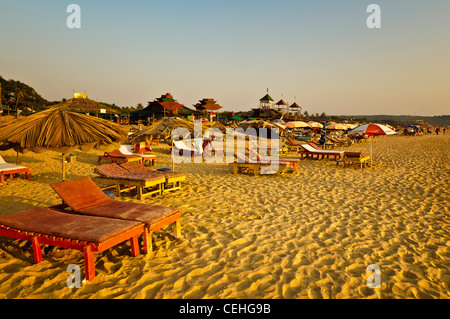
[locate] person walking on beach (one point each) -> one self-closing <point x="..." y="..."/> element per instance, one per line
<point x="443" y="131"/>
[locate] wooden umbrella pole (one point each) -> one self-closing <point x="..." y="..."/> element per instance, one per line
<point x="17" y="158"/>
<point x="171" y="152"/>
<point x="63" y="167"/>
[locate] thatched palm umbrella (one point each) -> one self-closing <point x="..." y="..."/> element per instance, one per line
<point x="164" y="127"/>
<point x="62" y="131"/>
<point x="83" y="105"/>
<point x="262" y="124"/>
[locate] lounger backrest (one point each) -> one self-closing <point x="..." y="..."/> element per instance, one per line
<point x="2" y="160"/>
<point x="291" y="141"/>
<point x="242" y="158"/>
<point x="180" y="145"/>
<point x="126" y="149"/>
<point x="309" y="148"/>
<point x="80" y="193"/>
<point x="315" y="146"/>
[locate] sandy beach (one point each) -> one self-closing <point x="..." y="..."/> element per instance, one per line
<point x="310" y="234"/>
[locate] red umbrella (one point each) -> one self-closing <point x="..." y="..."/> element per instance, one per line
<point x="372" y="130"/>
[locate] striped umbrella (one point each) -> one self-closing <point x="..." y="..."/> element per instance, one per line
<point x="372" y="129"/>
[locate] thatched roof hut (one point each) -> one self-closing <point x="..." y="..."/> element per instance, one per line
<point x="84" y="105"/>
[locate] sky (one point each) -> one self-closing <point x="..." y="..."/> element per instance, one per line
<point x="320" y="54"/>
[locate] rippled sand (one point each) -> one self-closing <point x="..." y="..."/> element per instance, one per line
<point x="310" y="234"/>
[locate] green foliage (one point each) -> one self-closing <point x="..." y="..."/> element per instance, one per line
<point x="20" y="94"/>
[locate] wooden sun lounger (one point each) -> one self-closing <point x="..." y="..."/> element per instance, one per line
<point x="84" y="197"/>
<point x="117" y="156"/>
<point x="267" y="160"/>
<point x="180" y="148"/>
<point x="311" y="150"/>
<point x="246" y="166"/>
<point x="354" y="158"/>
<point x="292" y="144"/>
<point x="173" y="179"/>
<point x="147" y="158"/>
<point x="11" y="169"/>
<point x="341" y="142"/>
<point x="88" y="234"/>
<point x="113" y="175"/>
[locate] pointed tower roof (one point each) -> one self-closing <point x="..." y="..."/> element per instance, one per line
<point x="266" y="98"/>
<point x="281" y="102"/>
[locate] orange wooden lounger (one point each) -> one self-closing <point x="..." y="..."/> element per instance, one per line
<point x="117" y="156"/>
<point x="89" y="234"/>
<point x="311" y="150"/>
<point x="84" y="197"/>
<point x="11" y="169"/>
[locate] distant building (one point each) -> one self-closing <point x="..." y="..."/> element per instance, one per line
<point x="163" y="106"/>
<point x="207" y="105"/>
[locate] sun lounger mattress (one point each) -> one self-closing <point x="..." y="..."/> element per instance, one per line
<point x="66" y="225"/>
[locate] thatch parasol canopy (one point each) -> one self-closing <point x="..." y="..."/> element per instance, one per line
<point x="83" y="105"/>
<point x="164" y="127"/>
<point x="58" y="130"/>
<point x="262" y="124"/>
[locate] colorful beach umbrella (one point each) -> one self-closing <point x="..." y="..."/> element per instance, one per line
<point x="296" y="124"/>
<point x="313" y="124"/>
<point x="372" y="129"/>
<point x="337" y="126"/>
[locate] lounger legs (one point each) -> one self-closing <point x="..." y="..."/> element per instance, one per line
<point x="177" y="229"/>
<point x="134" y="246"/>
<point x="147" y="236"/>
<point x="147" y="239"/>
<point x="89" y="263"/>
<point x="36" y="250"/>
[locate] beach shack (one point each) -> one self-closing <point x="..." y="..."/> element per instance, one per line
<point x="160" y="107"/>
<point x="209" y="106"/>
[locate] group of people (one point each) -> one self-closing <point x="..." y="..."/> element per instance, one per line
<point x="437" y="130"/>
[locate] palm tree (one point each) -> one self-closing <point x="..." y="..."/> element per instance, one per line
<point x="19" y="93"/>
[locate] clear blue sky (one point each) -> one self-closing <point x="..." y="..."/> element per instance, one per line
<point x="320" y="52"/>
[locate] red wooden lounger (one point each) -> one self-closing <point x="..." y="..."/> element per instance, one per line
<point x="11" y="169"/>
<point x="89" y="234"/>
<point x="117" y="156"/>
<point x="84" y="197"/>
<point x="311" y="150"/>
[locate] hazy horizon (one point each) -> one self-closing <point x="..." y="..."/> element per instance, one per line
<point x="320" y="54"/>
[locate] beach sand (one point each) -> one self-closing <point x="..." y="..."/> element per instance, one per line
<point x="310" y="234"/>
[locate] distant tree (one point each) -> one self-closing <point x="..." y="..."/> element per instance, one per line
<point x="139" y="106"/>
<point x="306" y="114"/>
